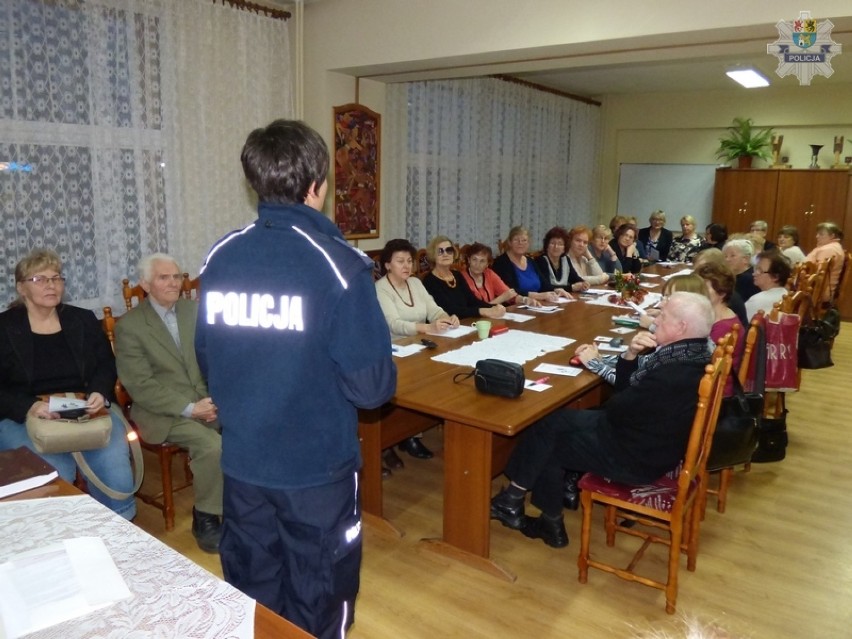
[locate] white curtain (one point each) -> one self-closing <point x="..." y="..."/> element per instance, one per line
<point x="482" y="155"/>
<point x="131" y="115"/>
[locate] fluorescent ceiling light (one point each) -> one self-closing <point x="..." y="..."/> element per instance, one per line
<point x="749" y="78"/>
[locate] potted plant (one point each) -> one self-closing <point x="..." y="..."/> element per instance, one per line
<point x="744" y="142"/>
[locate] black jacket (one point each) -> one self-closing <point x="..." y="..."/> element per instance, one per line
<point x="664" y="243"/>
<point x="88" y="344"/>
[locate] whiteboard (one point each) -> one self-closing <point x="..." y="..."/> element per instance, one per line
<point x="677" y="189"/>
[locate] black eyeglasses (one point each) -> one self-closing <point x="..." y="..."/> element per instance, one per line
<point x="450" y="250"/>
<point x="41" y="280"/>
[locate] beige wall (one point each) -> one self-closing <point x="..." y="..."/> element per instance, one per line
<point x="685" y="128"/>
<point x="347" y="38"/>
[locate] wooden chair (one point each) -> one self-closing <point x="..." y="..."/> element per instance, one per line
<point x="131" y="292"/>
<point x="422" y="266"/>
<point x="669" y="504"/>
<point x="799" y="275"/>
<point x="376" y="256"/>
<point x="843" y="283"/>
<point x="726" y="474"/>
<point x="165" y="451"/>
<point x="821" y="294"/>
<point x="190" y="288"/>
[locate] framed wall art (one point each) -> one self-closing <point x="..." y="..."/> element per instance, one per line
<point x="357" y="158"/>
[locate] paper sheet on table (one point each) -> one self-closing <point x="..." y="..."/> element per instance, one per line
<point x="598" y="291"/>
<point x="649" y="275"/>
<point x="517" y="317"/>
<point x="404" y="351"/>
<point x="606" y="348"/>
<point x="58" y="582"/>
<point x="459" y="331"/>
<point x="542" y="309"/>
<point x="556" y="369"/>
<point x="648" y="285"/>
<point x="670" y="263"/>
<point x="512" y="346"/>
<point x="531" y="384"/>
<point x="685" y="271"/>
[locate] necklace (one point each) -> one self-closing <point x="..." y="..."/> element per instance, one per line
<point x="409" y="304"/>
<point x="449" y="279"/>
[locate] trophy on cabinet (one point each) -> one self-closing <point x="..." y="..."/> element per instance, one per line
<point x="838" y="150"/>
<point x="777" y="161"/>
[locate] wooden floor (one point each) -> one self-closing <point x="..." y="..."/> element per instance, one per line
<point x="777" y="564"/>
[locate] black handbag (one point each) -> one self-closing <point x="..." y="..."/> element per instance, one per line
<point x="815" y="340"/>
<point x="497" y="377"/>
<point x="738" y="424"/>
<point x="737" y="428"/>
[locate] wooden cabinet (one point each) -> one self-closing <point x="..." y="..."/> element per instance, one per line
<point x="806" y="198"/>
<point x="800" y="197"/>
<point x="741" y="196"/>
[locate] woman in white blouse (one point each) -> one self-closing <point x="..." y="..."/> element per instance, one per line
<point x="408" y="309"/>
<point x="581" y="259"/>
<point x="405" y="302"/>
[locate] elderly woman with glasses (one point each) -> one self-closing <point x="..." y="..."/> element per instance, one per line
<point x="553" y="262"/>
<point x="447" y="285"/>
<point x="47" y="347"/>
<point x="520" y="272"/>
<point x="770" y="275"/>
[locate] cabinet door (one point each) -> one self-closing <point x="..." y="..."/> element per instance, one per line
<point x="741" y="196"/>
<point x="808" y="197"/>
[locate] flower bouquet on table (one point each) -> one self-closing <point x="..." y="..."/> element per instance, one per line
<point x="627" y="289"/>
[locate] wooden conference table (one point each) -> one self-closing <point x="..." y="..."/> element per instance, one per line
<point x="267" y="625"/>
<point x="479" y="429"/>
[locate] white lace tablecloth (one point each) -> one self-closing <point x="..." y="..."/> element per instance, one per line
<point x="172" y="596"/>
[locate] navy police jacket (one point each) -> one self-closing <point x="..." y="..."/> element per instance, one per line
<point x="291" y="340"/>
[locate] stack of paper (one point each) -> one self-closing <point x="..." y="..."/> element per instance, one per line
<point x="21" y="469"/>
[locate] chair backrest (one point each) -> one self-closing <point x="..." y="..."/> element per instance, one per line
<point x="843" y="283"/>
<point x="129" y="292"/>
<point x="750" y="343"/>
<point x="421" y="264"/>
<point x="190" y="288"/>
<point x="799" y="275"/>
<point x="822" y="282"/>
<point x="798" y="303"/>
<point x="122" y="397"/>
<point x="710" y="392"/>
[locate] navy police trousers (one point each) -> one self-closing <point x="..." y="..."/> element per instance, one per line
<point x="298" y="552"/>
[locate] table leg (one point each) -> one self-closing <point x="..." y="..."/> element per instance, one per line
<point x="467" y="496"/>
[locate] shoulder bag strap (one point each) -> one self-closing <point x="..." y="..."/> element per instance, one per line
<point x="138" y="466"/>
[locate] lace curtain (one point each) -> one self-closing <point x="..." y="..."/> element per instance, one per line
<point x="131" y="115"/>
<point x="482" y="155"/>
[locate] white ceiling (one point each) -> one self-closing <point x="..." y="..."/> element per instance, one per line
<point x="694" y="61"/>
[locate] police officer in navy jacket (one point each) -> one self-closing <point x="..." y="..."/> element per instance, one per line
<point x="292" y="341"/>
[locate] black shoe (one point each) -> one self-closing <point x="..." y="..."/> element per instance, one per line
<point x="550" y="531"/>
<point x="508" y="510"/>
<point x="386" y="472"/>
<point x="391" y="459"/>
<point x="414" y="447"/>
<point x="207" y="530"/>
<point x="571" y="494"/>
